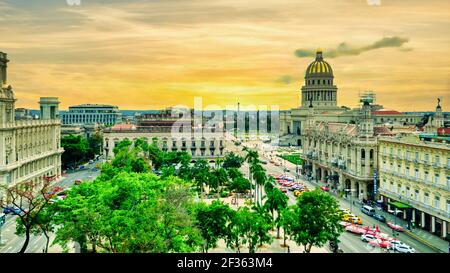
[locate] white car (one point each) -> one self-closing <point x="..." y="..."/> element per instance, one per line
<point x="404" y="249"/>
<point x="368" y="237"/>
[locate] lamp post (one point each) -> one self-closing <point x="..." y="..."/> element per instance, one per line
<point x="351" y="198"/>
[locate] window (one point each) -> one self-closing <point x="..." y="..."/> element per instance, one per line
<point x="384" y="150"/>
<point x="407" y="172"/>
<point x="437" y="201"/>
<point x="399" y="188"/>
<point x="436" y="178"/>
<point x="407" y="192"/>
<point x="416" y="174"/>
<point x="417" y="156"/>
<point x="448" y="206"/>
<point x="425" y="177"/>
<point x="437" y="160"/>
<point x="391" y="151"/>
<point x="426" y="198"/>
<point x="426" y="158"/>
<point x="392" y="167"/>
<point x="407" y="155"/>
<point x="399" y="153"/>
<point x="399" y="168"/>
<point x="416" y="195"/>
<point x="384" y="166"/>
<point x="391" y="187"/>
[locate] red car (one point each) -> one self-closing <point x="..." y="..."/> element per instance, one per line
<point x="380" y="243"/>
<point x="325" y="188"/>
<point x="283" y="190"/>
<point x="395" y="227"/>
<point x="355" y="229"/>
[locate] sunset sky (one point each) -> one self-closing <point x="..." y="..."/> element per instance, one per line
<point x="158" y="53"/>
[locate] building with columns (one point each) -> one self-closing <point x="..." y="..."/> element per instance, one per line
<point x="91" y="114"/>
<point x="172" y="132"/>
<point x="29" y="149"/>
<point x="342" y="154"/>
<point x="415" y="175"/>
<point x="321" y="90"/>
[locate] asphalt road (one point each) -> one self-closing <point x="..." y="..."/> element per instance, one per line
<point x="349" y="243"/>
<point x="12" y="243"/>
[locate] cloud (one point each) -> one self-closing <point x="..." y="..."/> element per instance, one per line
<point x="286" y="79"/>
<point x="343" y="49"/>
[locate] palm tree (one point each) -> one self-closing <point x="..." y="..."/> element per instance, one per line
<point x="259" y="175"/>
<point x="276" y="201"/>
<point x="251" y="158"/>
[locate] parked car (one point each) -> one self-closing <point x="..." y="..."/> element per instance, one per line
<point x="379" y="217"/>
<point x="355" y="229"/>
<point x="325" y="188"/>
<point x="395" y="227"/>
<point x="78" y="181"/>
<point x="368" y="210"/>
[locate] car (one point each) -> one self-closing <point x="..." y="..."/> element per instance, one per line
<point x="297" y="193"/>
<point x="396" y="242"/>
<point x="379" y="217"/>
<point x="13" y="210"/>
<point x="395" y="227"/>
<point x="380" y="243"/>
<point x="344" y="224"/>
<point x="78" y="181"/>
<point x="355" y="220"/>
<point x="368" y="210"/>
<point x="2" y="218"/>
<point x="404" y="249"/>
<point x="283" y="190"/>
<point x="325" y="188"/>
<point x="367" y="237"/>
<point x="355" y="229"/>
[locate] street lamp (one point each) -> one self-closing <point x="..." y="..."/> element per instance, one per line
<point x="351" y="197"/>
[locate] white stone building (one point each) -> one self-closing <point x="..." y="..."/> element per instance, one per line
<point x="29" y="149"/>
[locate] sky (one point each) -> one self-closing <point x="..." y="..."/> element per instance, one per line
<point x="159" y="53"/>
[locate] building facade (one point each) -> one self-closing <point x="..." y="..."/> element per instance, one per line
<point x="172" y="132"/>
<point x="92" y="113"/>
<point x="342" y="154"/>
<point x="29" y="149"/>
<point x="416" y="173"/>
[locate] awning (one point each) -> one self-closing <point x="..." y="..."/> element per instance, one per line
<point x="400" y="205"/>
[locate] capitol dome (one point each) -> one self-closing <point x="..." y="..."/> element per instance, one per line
<point x="319" y="68"/>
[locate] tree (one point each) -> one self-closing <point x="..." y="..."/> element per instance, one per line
<point x="43" y="225"/>
<point x="217" y="178"/>
<point x="31" y="200"/>
<point x="95" y="143"/>
<point x="130" y="212"/>
<point x="240" y="184"/>
<point x="232" y="160"/>
<point x="212" y="222"/>
<point x="287" y="219"/>
<point x="76" y="149"/>
<point x="316" y="219"/>
<point x="252" y="227"/>
<point x="276" y="201"/>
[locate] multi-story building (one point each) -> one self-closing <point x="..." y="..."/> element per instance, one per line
<point x="172" y="132"/>
<point x="415" y="176"/>
<point x="343" y="154"/>
<point x="320" y="91"/>
<point x="92" y="113"/>
<point x="29" y="149"/>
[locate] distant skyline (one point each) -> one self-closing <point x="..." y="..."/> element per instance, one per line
<point x="155" y="54"/>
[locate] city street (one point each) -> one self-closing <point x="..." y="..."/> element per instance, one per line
<point x="12" y="243"/>
<point x="349" y="243"/>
